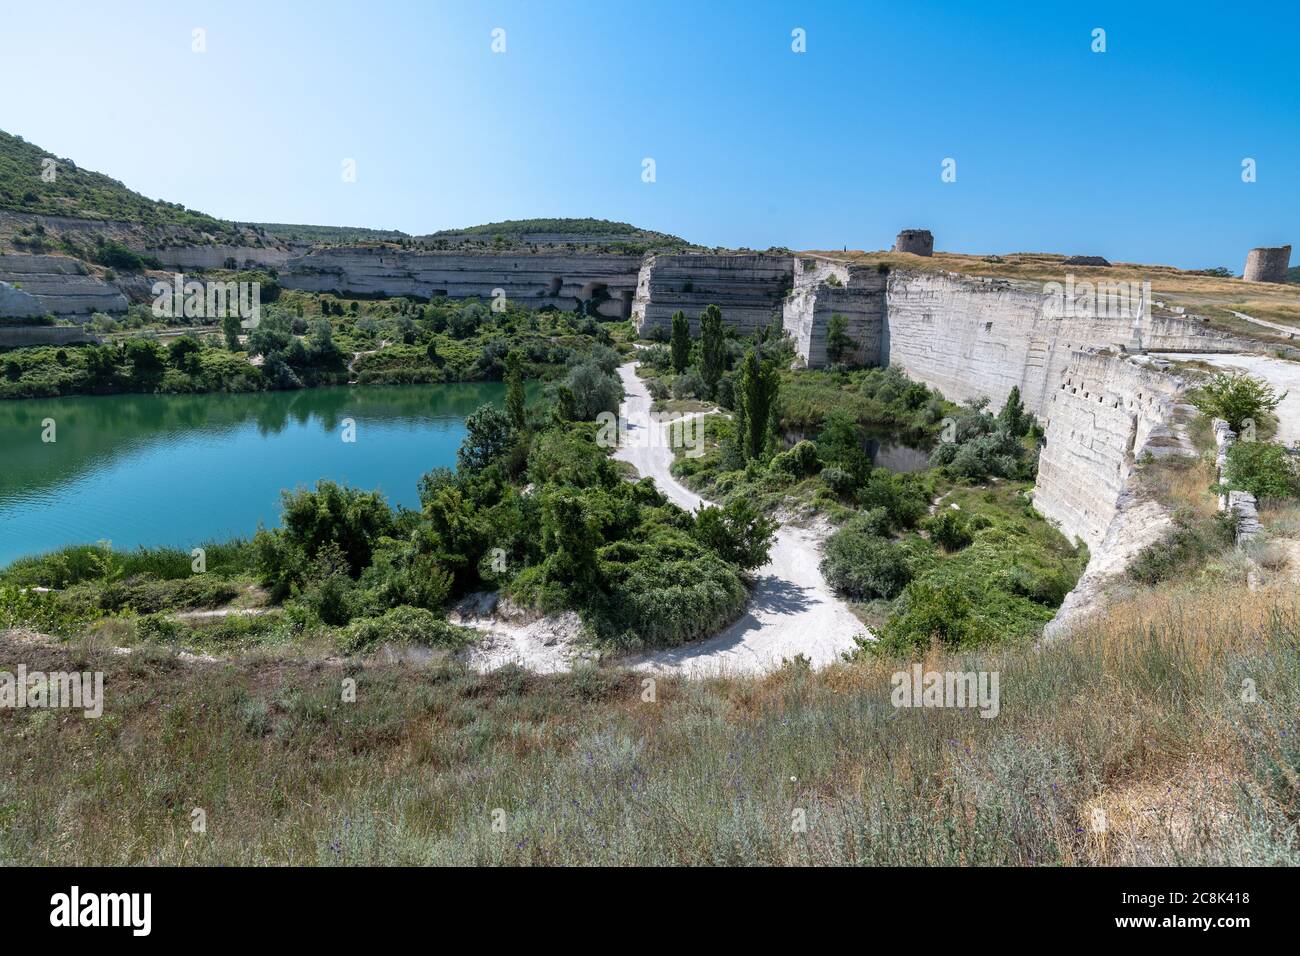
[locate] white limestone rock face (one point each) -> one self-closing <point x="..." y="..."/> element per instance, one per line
<point x="1108" y="410"/>
<point x="606" y="281"/>
<point x="974" y="337"/>
<point x="220" y="256"/>
<point x="825" y="287"/>
<point x="748" y="288"/>
<point x="60" y="285"/>
<point x="17" y="304"/>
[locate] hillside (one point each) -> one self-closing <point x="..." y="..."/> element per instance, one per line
<point x="83" y="193"/>
<point x="547" y="231"/>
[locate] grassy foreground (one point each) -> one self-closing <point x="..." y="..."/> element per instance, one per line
<point x="1139" y="723"/>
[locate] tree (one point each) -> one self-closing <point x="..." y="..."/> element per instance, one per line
<point x="838" y="343"/>
<point x="588" y="391"/>
<point x="334" y="516"/>
<point x="681" y="343"/>
<point x="713" y="355"/>
<point x="487" y="436"/>
<point x="147" y="361"/>
<point x="230" y="329"/>
<point x="1237" y="398"/>
<point x="183" y="353"/>
<point x="737" y="532"/>
<point x="756" y="394"/>
<point x="1013" y="416"/>
<point x="516" y="408"/>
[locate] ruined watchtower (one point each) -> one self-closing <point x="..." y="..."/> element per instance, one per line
<point x="1267" y="264"/>
<point x="919" y="242"/>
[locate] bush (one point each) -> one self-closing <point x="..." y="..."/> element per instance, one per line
<point x="1265" y="469"/>
<point x="799" y="462"/>
<point x="689" y="385"/>
<point x="862" y="565"/>
<point x="1187" y="544"/>
<point x="406" y="625"/>
<point x="950" y="529"/>
<point x="839" y="481"/>
<point x="1236" y="398"/>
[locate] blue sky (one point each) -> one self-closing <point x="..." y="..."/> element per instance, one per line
<point x="1134" y="154"/>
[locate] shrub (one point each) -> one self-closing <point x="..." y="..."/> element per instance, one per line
<point x="799" y="462"/>
<point x="737" y="532"/>
<point x="405" y="625"/>
<point x="1265" y="469"/>
<point x="862" y="565"/>
<point x="950" y="529"/>
<point x="1188" y="543"/>
<point x="689" y="385"/>
<point x="838" y="480"/>
<point x="1236" y="398"/>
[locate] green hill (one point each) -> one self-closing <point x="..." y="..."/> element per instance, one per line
<point x="82" y="193"/>
<point x="559" y="230"/>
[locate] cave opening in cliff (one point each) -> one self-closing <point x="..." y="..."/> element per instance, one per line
<point x="626" y="311"/>
<point x="556" y="283"/>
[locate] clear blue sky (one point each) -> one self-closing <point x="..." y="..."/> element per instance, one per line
<point x="1134" y="153"/>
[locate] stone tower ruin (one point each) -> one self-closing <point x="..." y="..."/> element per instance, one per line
<point x="919" y="242"/>
<point x="1267" y="264"/>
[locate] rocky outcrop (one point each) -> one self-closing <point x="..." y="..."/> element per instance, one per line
<point x="534" y="280"/>
<point x="60" y="285"/>
<point x="24" y="336"/>
<point x="748" y="288"/>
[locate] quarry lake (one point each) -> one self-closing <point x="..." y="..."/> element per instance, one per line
<point x="184" y="469"/>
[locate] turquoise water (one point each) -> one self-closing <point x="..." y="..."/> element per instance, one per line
<point x="183" y="469"/>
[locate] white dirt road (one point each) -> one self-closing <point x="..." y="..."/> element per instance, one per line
<point x="1284" y="376"/>
<point x="791" y="611"/>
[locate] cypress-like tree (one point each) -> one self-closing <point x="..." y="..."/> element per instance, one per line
<point x="516" y="409"/>
<point x="712" y="355"/>
<point x="756" y="393"/>
<point x="1013" y="415"/>
<point x="681" y="346"/>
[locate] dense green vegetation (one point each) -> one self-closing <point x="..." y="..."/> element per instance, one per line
<point x="306" y="339"/>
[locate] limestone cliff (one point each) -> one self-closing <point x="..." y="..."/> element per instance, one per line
<point x="823" y="288"/>
<point x="748" y="288"/>
<point x="606" y="281"/>
<point x="60" y="285"/>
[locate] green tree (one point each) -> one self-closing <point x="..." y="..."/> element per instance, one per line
<point x="681" y="344"/>
<point x="230" y="329"/>
<point x="838" y="342"/>
<point x="183" y="353"/>
<point x="1237" y="398"/>
<point x="713" y="355"/>
<point x="516" y="408"/>
<point x="487" y="436"/>
<point x="756" y="394"/>
<point x="737" y="532"/>
<point x="147" y="361"/>
<point x="1013" y="416"/>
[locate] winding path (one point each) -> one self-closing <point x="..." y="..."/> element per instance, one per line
<point x="791" y="610"/>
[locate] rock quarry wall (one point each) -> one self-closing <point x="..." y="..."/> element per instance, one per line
<point x="59" y="284"/>
<point x="822" y="288"/>
<point x="1107" y="412"/>
<point x="564" y="280"/>
<point x="748" y="288"/>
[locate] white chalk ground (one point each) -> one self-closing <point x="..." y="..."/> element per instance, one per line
<point x="1284" y="376"/>
<point x="791" y="611"/>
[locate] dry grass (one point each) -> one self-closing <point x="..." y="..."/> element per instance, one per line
<point x="1147" y="698"/>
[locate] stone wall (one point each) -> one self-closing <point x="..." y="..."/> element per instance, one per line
<point x="748" y="288"/>
<point x="1267" y="264"/>
<point x="60" y="284"/>
<point x="531" y="279"/>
